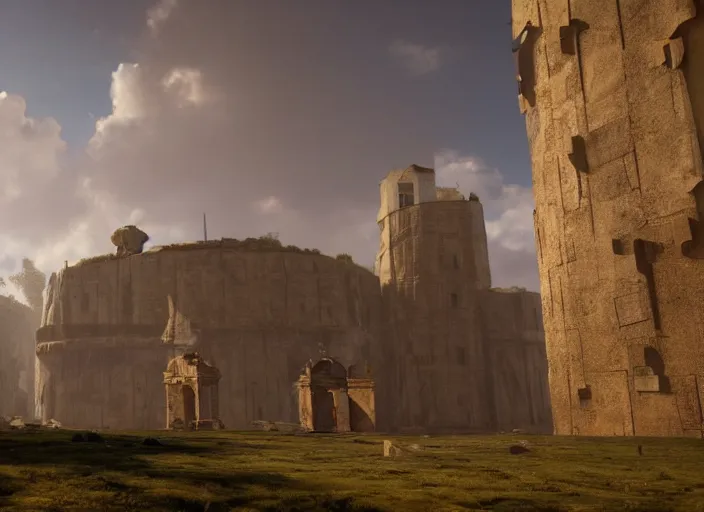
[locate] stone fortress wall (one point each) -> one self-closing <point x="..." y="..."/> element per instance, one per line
<point x="445" y="352"/>
<point x="259" y="315"/>
<point x="613" y="96"/>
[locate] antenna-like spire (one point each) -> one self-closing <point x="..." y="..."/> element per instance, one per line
<point x="205" y="229"/>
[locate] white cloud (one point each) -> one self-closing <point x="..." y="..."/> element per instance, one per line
<point x="187" y="86"/>
<point x="180" y="141"/>
<point x="269" y="205"/>
<point x="31" y="148"/>
<point x="37" y="191"/>
<point x="157" y="15"/>
<point x="508" y="210"/>
<point x="416" y="58"/>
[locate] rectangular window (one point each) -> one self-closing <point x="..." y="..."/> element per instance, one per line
<point x="454" y="300"/>
<point x="456" y="262"/>
<point x="405" y="195"/>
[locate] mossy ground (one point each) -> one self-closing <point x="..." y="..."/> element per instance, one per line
<point x="274" y="471"/>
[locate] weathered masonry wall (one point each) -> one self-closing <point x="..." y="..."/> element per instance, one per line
<point x="17" y="325"/>
<point x="440" y="380"/>
<point x="613" y="95"/>
<point x="260" y="316"/>
<point x="514" y="341"/>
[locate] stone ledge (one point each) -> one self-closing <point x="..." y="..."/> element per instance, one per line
<point x="47" y="347"/>
<point x="148" y="334"/>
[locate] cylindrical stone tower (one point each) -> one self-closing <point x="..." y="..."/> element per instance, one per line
<point x="430" y="270"/>
<point x="613" y="95"/>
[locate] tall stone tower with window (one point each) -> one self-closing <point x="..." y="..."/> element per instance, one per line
<point x="459" y="353"/>
<point x="613" y="96"/>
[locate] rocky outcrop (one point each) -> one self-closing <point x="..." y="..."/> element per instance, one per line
<point x="129" y="240"/>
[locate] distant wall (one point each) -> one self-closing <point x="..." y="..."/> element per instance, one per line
<point x="17" y="326"/>
<point x="261" y="316"/>
<point x="514" y="341"/>
<point x="480" y="245"/>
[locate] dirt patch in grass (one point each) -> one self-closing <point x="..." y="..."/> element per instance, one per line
<point x="266" y="471"/>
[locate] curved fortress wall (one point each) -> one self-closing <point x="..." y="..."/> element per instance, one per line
<point x="257" y="316"/>
<point x="613" y="95"/>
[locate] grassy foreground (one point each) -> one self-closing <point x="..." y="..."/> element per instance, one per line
<point x="274" y="471"/>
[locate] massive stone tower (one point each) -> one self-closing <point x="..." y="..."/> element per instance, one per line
<point x="460" y="356"/>
<point x="613" y="95"/>
<point x="430" y="270"/>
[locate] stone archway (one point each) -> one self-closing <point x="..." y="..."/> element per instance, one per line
<point x="192" y="393"/>
<point x="328" y="384"/>
<point x="330" y="400"/>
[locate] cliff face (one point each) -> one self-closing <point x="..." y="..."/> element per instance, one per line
<point x="17" y="326"/>
<point x="257" y="316"/>
<point x="613" y="94"/>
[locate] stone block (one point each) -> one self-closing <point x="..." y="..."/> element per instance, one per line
<point x="646" y="383"/>
<point x="631" y="309"/>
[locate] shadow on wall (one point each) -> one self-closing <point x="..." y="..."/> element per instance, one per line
<point x="654" y="361"/>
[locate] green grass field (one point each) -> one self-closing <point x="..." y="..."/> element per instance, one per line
<point x="45" y="470"/>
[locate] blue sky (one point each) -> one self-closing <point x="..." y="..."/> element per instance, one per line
<point x="316" y="101"/>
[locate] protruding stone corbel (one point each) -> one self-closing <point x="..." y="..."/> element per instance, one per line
<point x="674" y="53"/>
<point x="578" y="156"/>
<point x="569" y="36"/>
<point x="522" y="104"/>
<point x="645" y="380"/>
<point x="620" y="247"/>
<point x="523" y="47"/>
<point x="585" y="396"/>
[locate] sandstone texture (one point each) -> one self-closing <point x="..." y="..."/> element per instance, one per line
<point x="613" y="96"/>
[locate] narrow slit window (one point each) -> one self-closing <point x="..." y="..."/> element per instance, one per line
<point x="455" y="262"/>
<point x="406" y="196"/>
<point x="454" y="300"/>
